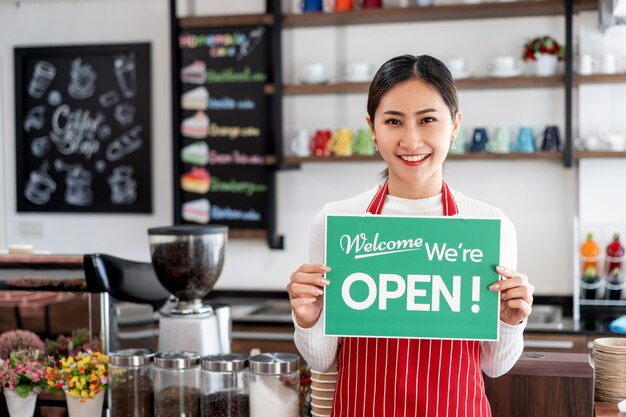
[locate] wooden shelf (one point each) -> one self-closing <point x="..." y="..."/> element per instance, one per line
<point x="235" y="20"/>
<point x="585" y="6"/>
<point x="247" y="234"/>
<point x="599" y="154"/>
<point x="72" y="262"/>
<point x="295" y="160"/>
<point x="433" y="13"/>
<point x="464" y="84"/>
<point x="599" y="79"/>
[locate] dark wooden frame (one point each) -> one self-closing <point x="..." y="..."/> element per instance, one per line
<point x="23" y="52"/>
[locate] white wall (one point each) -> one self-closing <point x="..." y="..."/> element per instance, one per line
<point x="541" y="197"/>
<point x="84" y="22"/>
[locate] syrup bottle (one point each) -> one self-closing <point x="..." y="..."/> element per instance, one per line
<point x="613" y="269"/>
<point x="589" y="255"/>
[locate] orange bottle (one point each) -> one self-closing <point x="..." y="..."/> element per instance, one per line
<point x="589" y="263"/>
<point x="589" y="256"/>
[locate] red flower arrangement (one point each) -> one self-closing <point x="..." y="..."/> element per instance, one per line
<point x="543" y="45"/>
<point x="24" y="372"/>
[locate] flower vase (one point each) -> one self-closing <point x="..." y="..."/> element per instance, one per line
<point x="18" y="406"/>
<point x="545" y="65"/>
<point x="90" y="407"/>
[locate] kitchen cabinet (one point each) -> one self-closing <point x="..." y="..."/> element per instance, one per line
<point x="544" y="384"/>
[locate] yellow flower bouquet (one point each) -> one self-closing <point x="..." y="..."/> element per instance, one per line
<point x="84" y="375"/>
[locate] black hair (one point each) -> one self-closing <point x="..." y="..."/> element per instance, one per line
<point x="404" y="68"/>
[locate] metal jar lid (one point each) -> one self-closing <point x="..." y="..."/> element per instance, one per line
<point x="274" y="363"/>
<point x="188" y="230"/>
<point x="177" y="360"/>
<point x="225" y="362"/>
<point x="131" y="357"/>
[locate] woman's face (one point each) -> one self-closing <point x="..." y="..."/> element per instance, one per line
<point x="413" y="129"/>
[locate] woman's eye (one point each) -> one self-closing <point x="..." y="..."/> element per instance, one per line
<point x="428" y="120"/>
<point x="392" y="122"/>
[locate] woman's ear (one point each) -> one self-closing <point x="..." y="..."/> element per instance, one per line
<point x="456" y="124"/>
<point x="370" y="125"/>
<point x="372" y="132"/>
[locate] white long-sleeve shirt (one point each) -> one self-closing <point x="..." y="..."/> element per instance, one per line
<point x="497" y="358"/>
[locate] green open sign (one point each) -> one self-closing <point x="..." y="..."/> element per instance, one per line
<point x="418" y="277"/>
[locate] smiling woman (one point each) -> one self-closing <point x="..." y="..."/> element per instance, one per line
<point x="413" y="117"/>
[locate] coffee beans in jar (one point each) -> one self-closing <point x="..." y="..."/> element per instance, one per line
<point x="225" y="386"/>
<point x="177" y="384"/>
<point x="131" y="392"/>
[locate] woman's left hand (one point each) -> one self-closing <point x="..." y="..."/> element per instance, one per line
<point x="516" y="295"/>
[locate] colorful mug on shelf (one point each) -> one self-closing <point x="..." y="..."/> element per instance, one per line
<point x="312" y="6"/>
<point x="300" y="144"/>
<point x="319" y="143"/>
<point x="363" y="143"/>
<point x="501" y="142"/>
<point x="459" y="143"/>
<point x="343" y="5"/>
<point x="479" y="140"/>
<point x="341" y="143"/>
<point x="551" y="139"/>
<point x="372" y="4"/>
<point x="525" y="140"/>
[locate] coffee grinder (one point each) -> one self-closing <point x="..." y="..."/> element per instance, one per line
<point x="188" y="261"/>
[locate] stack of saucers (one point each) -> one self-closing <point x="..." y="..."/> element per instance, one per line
<point x="609" y="355"/>
<point x="322" y="391"/>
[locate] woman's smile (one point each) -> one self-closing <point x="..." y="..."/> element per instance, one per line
<point x="414" y="159"/>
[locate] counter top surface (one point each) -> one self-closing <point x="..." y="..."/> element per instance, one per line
<point x="277" y="311"/>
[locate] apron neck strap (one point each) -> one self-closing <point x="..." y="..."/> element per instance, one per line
<point x="449" y="205"/>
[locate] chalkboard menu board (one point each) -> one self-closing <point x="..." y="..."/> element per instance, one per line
<point x="222" y="138"/>
<point x="83" y="129"/>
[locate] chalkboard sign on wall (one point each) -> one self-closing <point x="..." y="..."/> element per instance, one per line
<point x="83" y="129"/>
<point x="222" y="176"/>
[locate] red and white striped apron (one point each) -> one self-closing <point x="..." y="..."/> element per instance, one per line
<point x="381" y="377"/>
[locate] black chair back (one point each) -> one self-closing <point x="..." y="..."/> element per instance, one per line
<point x="125" y="280"/>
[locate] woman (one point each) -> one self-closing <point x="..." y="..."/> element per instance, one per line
<point x="414" y="117"/>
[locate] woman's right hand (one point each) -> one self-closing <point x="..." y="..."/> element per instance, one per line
<point x="305" y="289"/>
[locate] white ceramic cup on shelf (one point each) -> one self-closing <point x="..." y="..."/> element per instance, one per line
<point x="313" y="73"/>
<point x="608" y="64"/>
<point x="587" y="64"/>
<point x="358" y="71"/>
<point x="505" y="63"/>
<point x="457" y="66"/>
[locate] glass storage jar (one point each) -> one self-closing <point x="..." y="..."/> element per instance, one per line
<point x="177" y="384"/>
<point x="131" y="391"/>
<point x="225" y="386"/>
<point x="275" y="385"/>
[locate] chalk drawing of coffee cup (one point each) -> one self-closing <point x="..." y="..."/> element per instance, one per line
<point x="124" y="113"/>
<point x="78" y="187"/>
<point x="83" y="80"/>
<point x="40" y="146"/>
<point x="34" y="118"/>
<point x="39" y="187"/>
<point x="126" y="74"/>
<point x="109" y="98"/>
<point x="43" y="74"/>
<point x="123" y="186"/>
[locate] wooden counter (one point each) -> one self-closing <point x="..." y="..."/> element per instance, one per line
<point x="607" y="410"/>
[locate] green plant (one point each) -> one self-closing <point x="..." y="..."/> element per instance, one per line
<point x="544" y="45"/>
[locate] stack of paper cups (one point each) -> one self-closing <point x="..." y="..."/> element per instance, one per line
<point x="322" y="391"/>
